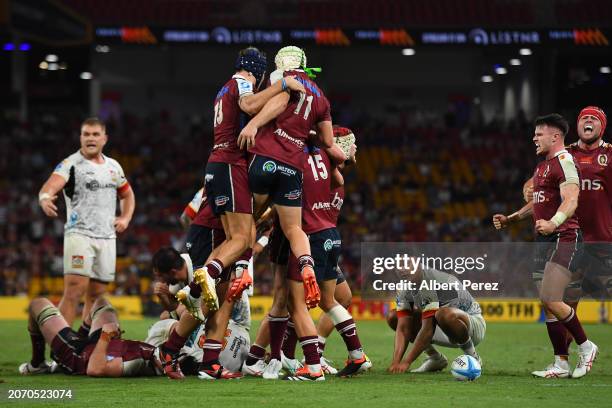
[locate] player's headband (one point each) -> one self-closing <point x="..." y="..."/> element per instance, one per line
<point x="598" y="113"/>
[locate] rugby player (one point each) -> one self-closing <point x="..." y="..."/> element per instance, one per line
<point x="227" y="180"/>
<point x="448" y="318"/>
<point x="102" y="354"/>
<point x="91" y="182"/>
<point x="556" y="187"/>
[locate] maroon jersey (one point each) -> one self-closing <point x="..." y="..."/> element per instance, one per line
<point x="549" y="176"/>
<point x="228" y="120"/>
<point x="284" y="138"/>
<point x="336" y="201"/>
<point x="316" y="207"/>
<point x="595" y="202"/>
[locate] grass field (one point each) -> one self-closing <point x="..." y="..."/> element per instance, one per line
<point x="509" y="352"/>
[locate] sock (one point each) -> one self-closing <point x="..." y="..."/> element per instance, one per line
<point x="256" y="353"/>
<point x="348" y="330"/>
<point x="84" y="330"/>
<point x="322" y="341"/>
<point x="311" y="352"/>
<point x="556" y="334"/>
<point x="174" y="343"/>
<point x="277" y="332"/>
<point x="432" y="352"/>
<point x="212" y="349"/>
<point x="572" y="324"/>
<point x="215" y="268"/>
<point x="304" y="261"/>
<point x="562" y="363"/>
<point x="195" y="290"/>
<point x="468" y="347"/>
<point x="38" y="349"/>
<point x="290" y="340"/>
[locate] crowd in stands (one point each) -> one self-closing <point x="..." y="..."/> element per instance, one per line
<point x="415" y="180"/>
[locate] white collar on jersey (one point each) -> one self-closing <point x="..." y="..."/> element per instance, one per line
<point x="560" y="152"/>
<point x="235" y="76"/>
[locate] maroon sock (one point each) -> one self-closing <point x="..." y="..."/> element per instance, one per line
<point x="348" y="331"/>
<point x="290" y="340"/>
<point x="304" y="261"/>
<point x="256" y="353"/>
<point x="215" y="268"/>
<point x="194" y="289"/>
<point x="572" y="324"/>
<point x="175" y="343"/>
<point x="277" y="332"/>
<point x="310" y="349"/>
<point x="212" y="349"/>
<point x="38" y="349"/>
<point x="84" y="330"/>
<point x="556" y="334"/>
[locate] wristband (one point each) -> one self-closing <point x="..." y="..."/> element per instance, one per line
<point x="263" y="241"/>
<point x="284" y="85"/>
<point x="559" y="218"/>
<point x="514" y="216"/>
<point x="43" y="196"/>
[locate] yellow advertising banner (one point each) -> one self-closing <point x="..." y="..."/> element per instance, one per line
<point x="16" y="307"/>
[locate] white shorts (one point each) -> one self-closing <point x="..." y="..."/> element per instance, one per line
<point x="160" y="332"/>
<point x="477" y="330"/>
<point x="91" y="257"/>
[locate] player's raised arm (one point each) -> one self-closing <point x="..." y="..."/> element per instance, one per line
<point x="98" y="365"/>
<point x="254" y="102"/>
<point x="271" y="110"/>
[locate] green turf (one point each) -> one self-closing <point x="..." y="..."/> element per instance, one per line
<point x="510" y="352"/>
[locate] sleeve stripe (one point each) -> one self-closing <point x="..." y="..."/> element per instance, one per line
<point x="190" y="212"/>
<point x="428" y="314"/>
<point x="403" y="313"/>
<point x="124" y="187"/>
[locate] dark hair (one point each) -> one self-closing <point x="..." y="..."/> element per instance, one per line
<point x="166" y="259"/>
<point x="93" y="121"/>
<point x="553" y="120"/>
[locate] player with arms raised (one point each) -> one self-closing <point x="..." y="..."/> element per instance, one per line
<point x="558" y="237"/>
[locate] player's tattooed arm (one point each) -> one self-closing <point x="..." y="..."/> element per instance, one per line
<point x="271" y="110"/>
<point x="569" y="203"/>
<point x="253" y="103"/>
<point x="48" y="194"/>
<point x="421" y="342"/>
<point x="98" y="366"/>
<point x="402" y="338"/>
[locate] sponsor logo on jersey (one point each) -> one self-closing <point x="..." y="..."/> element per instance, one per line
<point x="94" y="185"/>
<point x="321" y="205"/>
<point x="280" y="132"/>
<point x="602" y="159"/>
<point x="293" y="195"/>
<point x="221" y="200"/>
<point x="337" y="201"/>
<point x="209" y="177"/>
<point x="593" y="185"/>
<point x="269" y="167"/>
<point x="78" y="261"/>
<point x="286" y="170"/>
<point x="327" y="245"/>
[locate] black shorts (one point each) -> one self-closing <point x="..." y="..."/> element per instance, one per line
<point x="340" y="278"/>
<point x="282" y="182"/>
<point x="563" y="248"/>
<point x="227" y="188"/>
<point x="200" y="242"/>
<point x="325" y="250"/>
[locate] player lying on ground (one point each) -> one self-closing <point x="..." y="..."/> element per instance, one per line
<point x="173" y="272"/>
<point x="235" y="344"/>
<point x="102" y="354"/>
<point x="448" y="318"/>
<point x="559" y="254"/>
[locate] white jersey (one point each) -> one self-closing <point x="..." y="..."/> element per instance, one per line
<point x="429" y="301"/>
<point x="91" y="194"/>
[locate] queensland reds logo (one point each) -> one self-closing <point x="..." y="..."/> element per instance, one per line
<point x="602" y="159"/>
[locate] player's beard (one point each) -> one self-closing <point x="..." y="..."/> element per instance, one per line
<point x="591" y="141"/>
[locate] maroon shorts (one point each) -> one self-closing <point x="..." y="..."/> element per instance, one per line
<point x="71" y="352"/>
<point x="227" y="188"/>
<point x="563" y="248"/>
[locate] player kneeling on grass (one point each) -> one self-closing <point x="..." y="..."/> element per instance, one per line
<point x="102" y="354"/>
<point x="447" y="318"/>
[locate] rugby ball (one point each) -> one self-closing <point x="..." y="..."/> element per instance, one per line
<point x="466" y="368"/>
